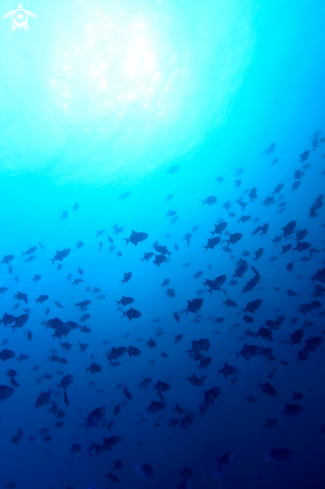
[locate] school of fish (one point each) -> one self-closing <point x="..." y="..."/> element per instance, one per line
<point x="226" y="292"/>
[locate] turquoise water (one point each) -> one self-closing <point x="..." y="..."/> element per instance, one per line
<point x="116" y="106"/>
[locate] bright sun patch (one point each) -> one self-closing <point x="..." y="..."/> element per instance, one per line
<point x="127" y="87"/>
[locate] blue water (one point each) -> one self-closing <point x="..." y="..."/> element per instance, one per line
<point x="115" y="106"/>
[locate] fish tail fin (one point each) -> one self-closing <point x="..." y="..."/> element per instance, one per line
<point x="52" y="260"/>
<point x="217" y="475"/>
<point x="127" y="241"/>
<point x="267" y="456"/>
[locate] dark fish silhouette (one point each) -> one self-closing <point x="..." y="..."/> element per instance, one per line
<point x="224" y="463"/>
<point x="6" y="392"/>
<point x="61" y="255"/>
<point x="131" y="314"/>
<point x="304" y="156"/>
<point x="234" y="238"/>
<point x="219" y="228"/>
<point x="212" y="243"/>
<point x="193" y="306"/>
<point x="227" y="370"/>
<point x="147" y="256"/>
<point x="280" y="454"/>
<point x="267" y="388"/>
<point x="291" y="410"/>
<point x="133" y="352"/>
<point x="21" y="296"/>
<point x="110" y="442"/>
<point x="271" y="423"/>
<point x="125" y="301"/>
<point x="30" y="250"/>
<point x="94" y="368"/>
<point x="94" y="418"/>
<point x="270" y="149"/>
<point x="136" y="238"/>
<point x="156" y="406"/>
<point x="127" y="277"/>
<point x="145" y="469"/>
<point x="7" y="259"/>
<point x="6" y="355"/>
<point x="211" y="200"/>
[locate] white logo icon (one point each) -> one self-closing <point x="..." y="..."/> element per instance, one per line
<point x="20" y="18"/>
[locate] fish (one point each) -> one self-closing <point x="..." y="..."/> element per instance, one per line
<point x="94" y="368"/>
<point x="187" y="422"/>
<point x="224" y="463"/>
<point x="291" y="410"/>
<point x="124" y="195"/>
<point x="228" y="370"/>
<point x="271" y="317"/>
<point x="146" y="471"/>
<point x="109" y="443"/>
<point x="6" y="392"/>
<point x="270" y="149"/>
<point x="131" y="314"/>
<point x="136" y="237"/>
<point x="271" y="423"/>
<point x="7" y="355"/>
<point x="211" y="200"/>
<point x="156" y="406"/>
<point x="94" y="418"/>
<point x="173" y="169"/>
<point x="280" y="454"/>
<point x="267" y="388"/>
<point x="61" y="255"/>
<point x="7" y="259"/>
<point x="127" y="277"/>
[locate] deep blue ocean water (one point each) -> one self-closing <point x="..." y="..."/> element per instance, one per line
<point x="164" y="118"/>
